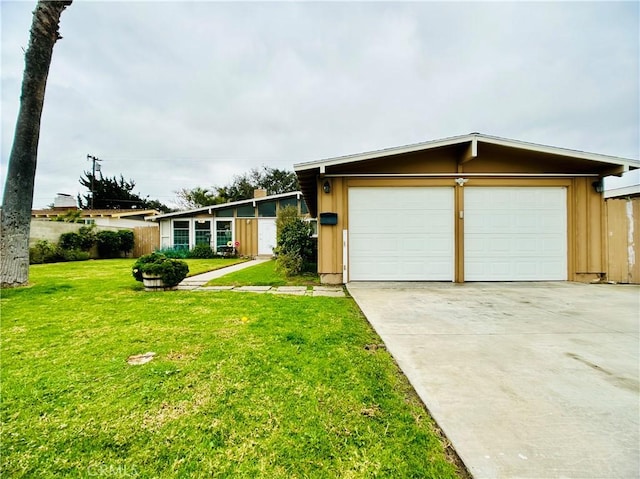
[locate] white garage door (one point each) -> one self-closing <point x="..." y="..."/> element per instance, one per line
<point x="515" y="234"/>
<point x="401" y="234"/>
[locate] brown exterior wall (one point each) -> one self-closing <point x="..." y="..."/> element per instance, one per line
<point x="623" y="236"/>
<point x="146" y="240"/>
<point x="585" y="220"/>
<point x="247" y="236"/>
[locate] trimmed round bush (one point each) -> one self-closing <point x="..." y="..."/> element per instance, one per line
<point x="170" y="270"/>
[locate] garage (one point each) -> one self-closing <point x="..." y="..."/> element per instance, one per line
<point x="401" y="234"/>
<point x="472" y="207"/>
<point x="515" y="234"/>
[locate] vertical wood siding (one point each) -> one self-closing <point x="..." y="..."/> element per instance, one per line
<point x="247" y="235"/>
<point x="146" y="239"/>
<point x="623" y="236"/>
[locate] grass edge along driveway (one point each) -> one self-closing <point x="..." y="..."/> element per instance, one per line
<point x="242" y="385"/>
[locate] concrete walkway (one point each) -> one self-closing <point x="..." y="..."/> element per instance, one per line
<point x="527" y="380"/>
<point x="198" y="281"/>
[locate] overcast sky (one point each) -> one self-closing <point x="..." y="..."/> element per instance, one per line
<point x="183" y="94"/>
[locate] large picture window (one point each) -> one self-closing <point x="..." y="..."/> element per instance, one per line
<point x="181" y="234"/>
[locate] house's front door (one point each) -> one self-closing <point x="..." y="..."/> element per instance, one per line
<point x="266" y="236"/>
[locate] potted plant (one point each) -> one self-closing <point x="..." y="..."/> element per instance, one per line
<point x="159" y="273"/>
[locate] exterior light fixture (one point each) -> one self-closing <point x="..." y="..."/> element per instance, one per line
<point x="598" y="186"/>
<point x="326" y="186"/>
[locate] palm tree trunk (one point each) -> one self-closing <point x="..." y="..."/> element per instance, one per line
<point x="15" y="216"/>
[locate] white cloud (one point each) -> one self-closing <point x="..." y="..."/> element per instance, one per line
<point x="183" y="94"/>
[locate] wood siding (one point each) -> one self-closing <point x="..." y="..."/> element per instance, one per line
<point x="247" y="235"/>
<point x="146" y="240"/>
<point x="623" y="237"/>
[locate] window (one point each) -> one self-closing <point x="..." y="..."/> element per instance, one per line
<point x="224" y="232"/>
<point x="246" y="211"/>
<point x="267" y="209"/>
<point x="225" y="213"/>
<point x="203" y="232"/>
<point x="303" y="207"/>
<point x="289" y="202"/>
<point x="181" y="234"/>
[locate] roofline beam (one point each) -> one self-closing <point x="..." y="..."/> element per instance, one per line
<point x="618" y="170"/>
<point x="471" y="151"/>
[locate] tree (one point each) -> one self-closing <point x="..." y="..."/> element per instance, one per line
<point x="114" y="193"/>
<point x="197" y="197"/>
<point x="15" y="217"/>
<point x="273" y="180"/>
<point x="109" y="193"/>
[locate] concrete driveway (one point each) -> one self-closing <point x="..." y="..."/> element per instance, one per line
<point x="535" y="380"/>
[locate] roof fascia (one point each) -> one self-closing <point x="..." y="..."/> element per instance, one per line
<point x="473" y="138"/>
<point x="340" y="160"/>
<point x="554" y="150"/>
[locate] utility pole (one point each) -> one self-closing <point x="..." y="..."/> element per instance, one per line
<point x="93" y="175"/>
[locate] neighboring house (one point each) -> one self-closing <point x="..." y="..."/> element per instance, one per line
<point x="247" y="225"/>
<point x="46" y="226"/>
<point x="117" y="218"/>
<point x="467" y="208"/>
<point x="622" y="208"/>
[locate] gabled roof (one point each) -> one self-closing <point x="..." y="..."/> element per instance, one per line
<point x="221" y="206"/>
<point x="308" y="172"/>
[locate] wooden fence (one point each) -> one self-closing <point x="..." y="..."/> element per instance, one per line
<point x="146" y="240"/>
<point x="623" y="237"/>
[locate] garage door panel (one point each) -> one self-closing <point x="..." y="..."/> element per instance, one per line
<point x="515" y="234"/>
<point x="402" y="234"/>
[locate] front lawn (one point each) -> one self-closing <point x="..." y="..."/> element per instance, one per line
<point x="264" y="274"/>
<point x="242" y="385"/>
<point x="197" y="266"/>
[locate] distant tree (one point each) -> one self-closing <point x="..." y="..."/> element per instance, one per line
<point x="274" y="180"/>
<point x="197" y="198"/>
<point x="15" y="216"/>
<point x="277" y="181"/>
<point x="114" y="194"/>
<point x="156" y="205"/>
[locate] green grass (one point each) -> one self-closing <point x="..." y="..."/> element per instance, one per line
<point x="264" y="274"/>
<point x="243" y="385"/>
<point x="197" y="266"/>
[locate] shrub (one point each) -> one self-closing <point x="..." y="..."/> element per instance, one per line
<point x="83" y="240"/>
<point x="289" y="264"/>
<point x="170" y="270"/>
<point x="69" y="241"/>
<point x="202" y="251"/>
<point x="176" y="252"/>
<point x="73" y="255"/>
<point x="108" y="244"/>
<point x="126" y="241"/>
<point x="295" y="245"/>
<point x="87" y="237"/>
<point x="44" y="252"/>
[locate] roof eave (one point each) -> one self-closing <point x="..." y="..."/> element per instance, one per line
<point x="222" y="206"/>
<point x="340" y="160"/>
